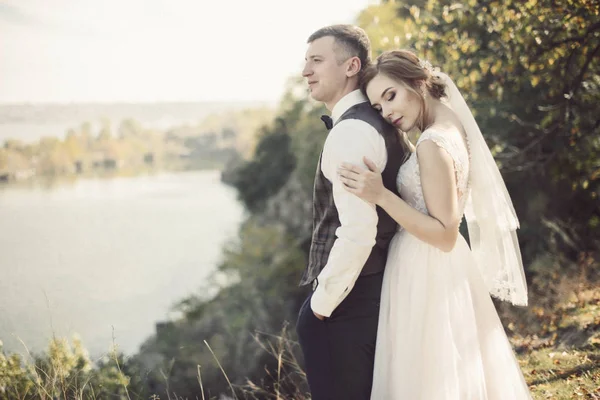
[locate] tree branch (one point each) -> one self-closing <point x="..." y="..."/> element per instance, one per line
<point x="577" y="84"/>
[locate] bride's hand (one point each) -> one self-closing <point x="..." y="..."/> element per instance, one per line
<point x="366" y="184"/>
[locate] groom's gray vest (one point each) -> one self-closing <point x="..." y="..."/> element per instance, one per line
<point x="325" y="215"/>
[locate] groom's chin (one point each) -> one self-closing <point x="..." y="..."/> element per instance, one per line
<point x="314" y="95"/>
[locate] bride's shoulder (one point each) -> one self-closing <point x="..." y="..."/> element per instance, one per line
<point x="444" y="135"/>
<point x="437" y="132"/>
<point x="441" y="139"/>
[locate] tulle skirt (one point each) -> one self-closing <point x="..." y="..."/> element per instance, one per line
<point x="439" y="335"/>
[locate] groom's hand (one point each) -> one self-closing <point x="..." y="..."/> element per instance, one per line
<point x="319" y="316"/>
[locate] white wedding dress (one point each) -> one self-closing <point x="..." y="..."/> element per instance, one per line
<point x="439" y="335"/>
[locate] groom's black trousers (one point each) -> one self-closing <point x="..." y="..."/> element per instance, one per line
<point x="339" y="351"/>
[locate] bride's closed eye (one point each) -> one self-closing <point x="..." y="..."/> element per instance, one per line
<point x="390" y="97"/>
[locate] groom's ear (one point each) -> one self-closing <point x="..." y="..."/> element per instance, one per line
<point x="354" y="67"/>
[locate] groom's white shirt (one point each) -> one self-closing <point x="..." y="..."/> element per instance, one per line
<point x="348" y="141"/>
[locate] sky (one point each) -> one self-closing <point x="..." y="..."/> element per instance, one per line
<point x="63" y="51"/>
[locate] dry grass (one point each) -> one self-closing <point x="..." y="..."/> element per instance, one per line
<point x="562" y="363"/>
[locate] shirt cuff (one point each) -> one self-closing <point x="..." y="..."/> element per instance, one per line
<point x="322" y="303"/>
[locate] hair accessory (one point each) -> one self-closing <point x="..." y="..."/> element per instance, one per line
<point x="426" y="65"/>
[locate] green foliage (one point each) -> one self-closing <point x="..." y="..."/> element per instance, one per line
<point x="257" y="268"/>
<point x="133" y="149"/>
<point x="260" y="178"/>
<point x="64" y="371"/>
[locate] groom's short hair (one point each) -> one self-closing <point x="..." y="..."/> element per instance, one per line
<point x="351" y="40"/>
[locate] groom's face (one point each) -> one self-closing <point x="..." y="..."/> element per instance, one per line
<point x="324" y="73"/>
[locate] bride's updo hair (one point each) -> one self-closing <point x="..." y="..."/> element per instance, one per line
<point x="405" y="67"/>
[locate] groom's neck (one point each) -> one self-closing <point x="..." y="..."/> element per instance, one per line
<point x="340" y="95"/>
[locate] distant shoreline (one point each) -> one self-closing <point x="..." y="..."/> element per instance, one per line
<point x="29" y="122"/>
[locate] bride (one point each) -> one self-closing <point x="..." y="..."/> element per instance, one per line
<point x="439" y="335"/>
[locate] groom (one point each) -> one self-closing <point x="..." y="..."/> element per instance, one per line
<point x="337" y="324"/>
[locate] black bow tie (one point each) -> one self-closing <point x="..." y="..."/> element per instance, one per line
<point x="327" y="121"/>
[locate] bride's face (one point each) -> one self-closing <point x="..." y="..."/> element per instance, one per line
<point x="398" y="104"/>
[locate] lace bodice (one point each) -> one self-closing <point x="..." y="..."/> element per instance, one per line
<point x="409" y="176"/>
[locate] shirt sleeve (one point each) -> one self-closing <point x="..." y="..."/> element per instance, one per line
<point x="349" y="141"/>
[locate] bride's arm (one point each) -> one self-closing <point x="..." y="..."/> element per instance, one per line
<point x="440" y="228"/>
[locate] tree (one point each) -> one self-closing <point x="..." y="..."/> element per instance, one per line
<point x="261" y="177"/>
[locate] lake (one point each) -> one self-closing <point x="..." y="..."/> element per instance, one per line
<point x="97" y="255"/>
